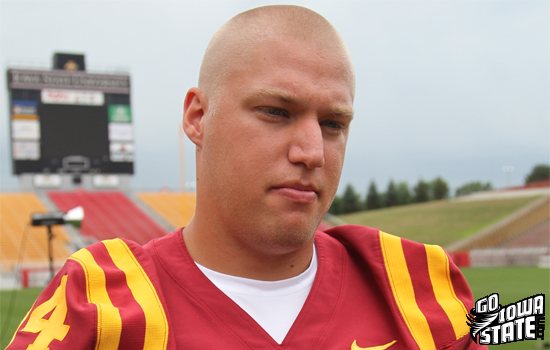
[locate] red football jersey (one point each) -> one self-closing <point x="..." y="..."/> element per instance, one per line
<point x="372" y="290"/>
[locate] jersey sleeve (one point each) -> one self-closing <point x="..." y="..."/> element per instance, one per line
<point x="104" y="297"/>
<point x="61" y="317"/>
<point x="426" y="293"/>
<point x="431" y="292"/>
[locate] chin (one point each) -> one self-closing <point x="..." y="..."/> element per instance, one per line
<point x="283" y="233"/>
<point x="295" y="232"/>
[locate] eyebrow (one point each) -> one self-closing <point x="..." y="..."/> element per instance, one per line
<point x="339" y="111"/>
<point x="277" y="94"/>
<point x="342" y="112"/>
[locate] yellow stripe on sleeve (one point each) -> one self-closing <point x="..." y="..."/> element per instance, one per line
<point x="440" y="276"/>
<point x="109" y="323"/>
<point x="143" y="291"/>
<point x="403" y="291"/>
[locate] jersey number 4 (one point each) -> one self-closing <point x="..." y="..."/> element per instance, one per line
<point x="53" y="327"/>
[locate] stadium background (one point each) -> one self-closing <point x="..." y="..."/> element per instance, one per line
<point x="506" y="250"/>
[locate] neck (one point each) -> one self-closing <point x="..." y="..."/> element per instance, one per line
<point x="218" y="250"/>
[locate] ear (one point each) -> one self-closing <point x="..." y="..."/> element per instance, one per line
<point x="194" y="109"/>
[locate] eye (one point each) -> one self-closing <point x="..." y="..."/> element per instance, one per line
<point x="274" y="112"/>
<point x="332" y="125"/>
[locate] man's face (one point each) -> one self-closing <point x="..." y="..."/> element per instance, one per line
<point x="274" y="144"/>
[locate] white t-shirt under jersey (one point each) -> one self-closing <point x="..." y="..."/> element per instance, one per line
<point x="274" y="305"/>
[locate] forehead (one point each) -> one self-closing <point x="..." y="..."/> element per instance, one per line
<point x="292" y="70"/>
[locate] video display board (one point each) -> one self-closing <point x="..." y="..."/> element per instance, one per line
<point x="70" y="122"/>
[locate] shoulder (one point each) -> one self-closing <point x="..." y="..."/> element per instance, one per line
<point x="124" y="256"/>
<point x="381" y="248"/>
<point x="106" y="287"/>
<point x="110" y="255"/>
<point x="423" y="287"/>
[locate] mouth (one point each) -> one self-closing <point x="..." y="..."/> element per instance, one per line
<point x="297" y="192"/>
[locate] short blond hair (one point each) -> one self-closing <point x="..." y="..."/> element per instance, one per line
<point x="231" y="43"/>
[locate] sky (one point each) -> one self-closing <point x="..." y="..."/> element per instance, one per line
<point x="458" y="89"/>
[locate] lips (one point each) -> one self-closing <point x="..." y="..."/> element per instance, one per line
<point x="297" y="192"/>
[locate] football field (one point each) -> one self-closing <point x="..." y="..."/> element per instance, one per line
<point x="512" y="284"/>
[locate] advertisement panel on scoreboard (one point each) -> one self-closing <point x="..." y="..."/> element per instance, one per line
<point x="70" y="121"/>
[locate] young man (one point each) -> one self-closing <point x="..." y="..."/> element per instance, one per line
<point x="270" y="120"/>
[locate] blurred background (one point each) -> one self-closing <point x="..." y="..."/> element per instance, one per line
<point x="450" y="143"/>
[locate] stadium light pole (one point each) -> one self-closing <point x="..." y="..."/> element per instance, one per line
<point x="50" y="254"/>
<point x="508" y="170"/>
<point x="73" y="216"/>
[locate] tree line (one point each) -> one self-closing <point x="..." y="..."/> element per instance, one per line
<point x="399" y="193"/>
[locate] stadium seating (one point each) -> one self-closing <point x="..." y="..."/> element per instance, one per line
<point x="176" y="208"/>
<point x="532" y="215"/>
<point x="536" y="236"/>
<point x="109" y="214"/>
<point x="20" y="243"/>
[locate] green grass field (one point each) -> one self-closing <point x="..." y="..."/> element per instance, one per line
<point x="20" y="301"/>
<point x="438" y="222"/>
<point x="511" y="283"/>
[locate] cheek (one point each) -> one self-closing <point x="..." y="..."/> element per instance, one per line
<point x="239" y="158"/>
<point x="334" y="157"/>
<point x="334" y="161"/>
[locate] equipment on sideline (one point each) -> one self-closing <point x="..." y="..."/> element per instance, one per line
<point x="73" y="217"/>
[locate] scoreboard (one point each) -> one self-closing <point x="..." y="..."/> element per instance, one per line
<point x="64" y="121"/>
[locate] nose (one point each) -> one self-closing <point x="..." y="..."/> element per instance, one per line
<point x="307" y="144"/>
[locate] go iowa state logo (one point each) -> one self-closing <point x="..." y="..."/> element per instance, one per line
<point x="491" y="323"/>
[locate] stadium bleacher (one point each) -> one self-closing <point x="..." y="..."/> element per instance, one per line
<point x="520" y="239"/>
<point x="176" y="208"/>
<point x="109" y="214"/>
<point x="15" y="249"/>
